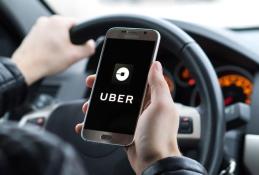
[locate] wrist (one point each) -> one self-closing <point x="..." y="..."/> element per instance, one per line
<point x="175" y="152"/>
<point x="29" y="70"/>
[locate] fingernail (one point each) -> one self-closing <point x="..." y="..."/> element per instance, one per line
<point x="77" y="128"/>
<point x="91" y="42"/>
<point x="158" y="66"/>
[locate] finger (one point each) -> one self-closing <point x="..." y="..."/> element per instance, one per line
<point x="71" y="21"/>
<point x="147" y="98"/>
<point x="89" y="47"/>
<point x="86" y="49"/>
<point x="85" y="107"/>
<point x="90" y="80"/>
<point x="127" y="147"/>
<point x="78" y="128"/>
<point x="169" y="83"/>
<point x="158" y="85"/>
<point x="61" y="20"/>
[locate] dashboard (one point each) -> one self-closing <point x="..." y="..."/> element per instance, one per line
<point x="235" y="73"/>
<point x="236" y="82"/>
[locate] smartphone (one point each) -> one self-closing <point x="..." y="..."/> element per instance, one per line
<point x="116" y="100"/>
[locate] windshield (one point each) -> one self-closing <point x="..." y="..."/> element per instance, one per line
<point x="215" y="13"/>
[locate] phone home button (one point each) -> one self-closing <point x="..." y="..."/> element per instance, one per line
<point x="106" y="137"/>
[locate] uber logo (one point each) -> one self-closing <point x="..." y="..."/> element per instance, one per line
<point x="119" y="98"/>
<point x="122" y="73"/>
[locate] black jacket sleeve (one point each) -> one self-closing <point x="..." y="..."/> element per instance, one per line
<point x="25" y="150"/>
<point x="176" y="166"/>
<point x="13" y="88"/>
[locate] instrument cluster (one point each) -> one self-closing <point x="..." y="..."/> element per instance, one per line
<point x="236" y="84"/>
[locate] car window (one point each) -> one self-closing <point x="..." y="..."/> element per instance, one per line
<point x="216" y="13"/>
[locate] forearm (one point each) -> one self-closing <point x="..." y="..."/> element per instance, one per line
<point x="12" y="86"/>
<point x="176" y="166"/>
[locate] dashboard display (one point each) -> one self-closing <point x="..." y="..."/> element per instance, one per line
<point x="236" y="88"/>
<point x="235" y="82"/>
<point x="184" y="76"/>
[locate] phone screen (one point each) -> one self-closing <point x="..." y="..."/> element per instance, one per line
<point x="120" y="85"/>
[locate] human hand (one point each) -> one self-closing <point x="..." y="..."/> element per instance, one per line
<point x="47" y="49"/>
<point x="157" y="127"/>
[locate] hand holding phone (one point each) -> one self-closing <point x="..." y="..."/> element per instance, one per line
<point x="157" y="128"/>
<point x="116" y="100"/>
<point x="156" y="132"/>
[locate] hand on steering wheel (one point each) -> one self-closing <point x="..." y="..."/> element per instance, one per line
<point x="47" y="49"/>
<point x="156" y="131"/>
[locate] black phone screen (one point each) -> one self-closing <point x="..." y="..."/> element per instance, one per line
<point x="120" y="85"/>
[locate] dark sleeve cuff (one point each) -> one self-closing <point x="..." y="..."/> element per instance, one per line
<point x="13" y="89"/>
<point x="176" y="166"/>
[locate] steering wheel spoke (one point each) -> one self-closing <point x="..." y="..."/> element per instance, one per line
<point x="189" y="133"/>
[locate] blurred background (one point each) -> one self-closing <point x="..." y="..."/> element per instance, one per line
<point x="214" y="13"/>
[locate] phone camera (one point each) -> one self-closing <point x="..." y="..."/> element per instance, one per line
<point x="145" y="33"/>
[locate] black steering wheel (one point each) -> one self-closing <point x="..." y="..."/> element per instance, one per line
<point x="208" y="123"/>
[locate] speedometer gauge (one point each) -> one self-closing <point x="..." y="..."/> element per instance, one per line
<point x="236" y="88"/>
<point x="236" y="84"/>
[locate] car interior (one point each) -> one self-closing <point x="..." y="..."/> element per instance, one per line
<point x="214" y="72"/>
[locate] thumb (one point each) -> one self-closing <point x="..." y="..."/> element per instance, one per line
<point x="157" y="83"/>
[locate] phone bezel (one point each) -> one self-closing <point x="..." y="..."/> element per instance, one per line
<point x="128" y="34"/>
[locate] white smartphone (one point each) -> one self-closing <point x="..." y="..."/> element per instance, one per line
<point x="116" y="100"/>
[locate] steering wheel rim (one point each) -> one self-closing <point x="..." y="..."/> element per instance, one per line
<point x="195" y="60"/>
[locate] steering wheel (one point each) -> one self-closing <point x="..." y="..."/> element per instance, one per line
<point x="207" y="120"/>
